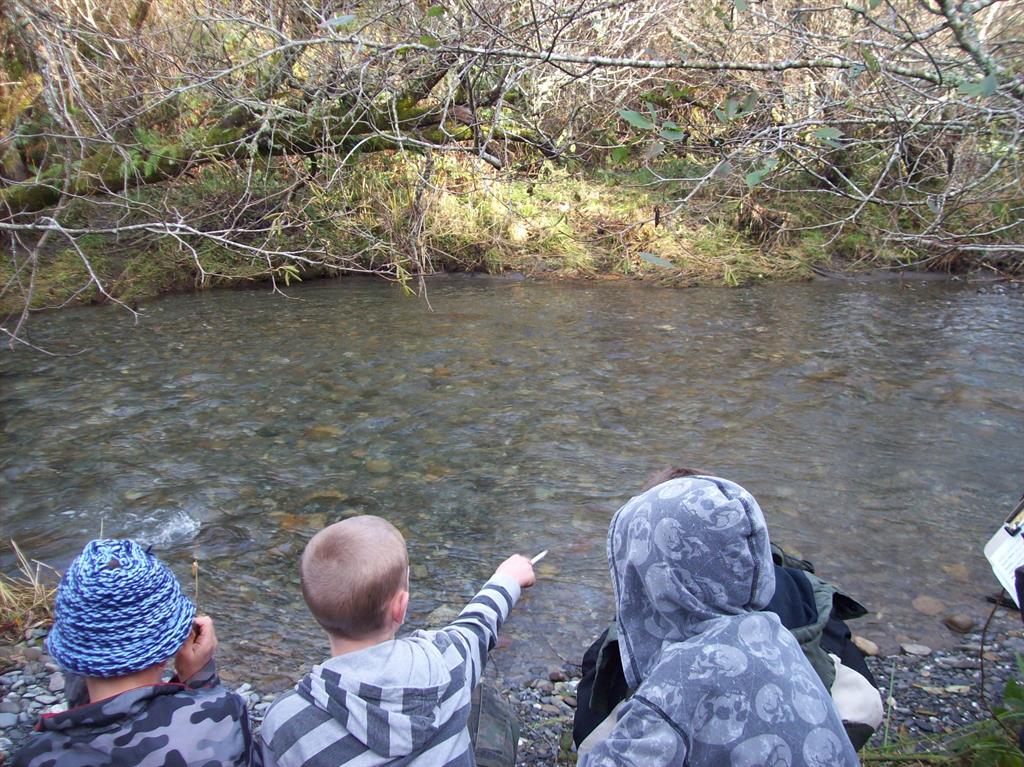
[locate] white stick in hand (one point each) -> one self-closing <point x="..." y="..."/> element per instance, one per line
<point x="539" y="557"/>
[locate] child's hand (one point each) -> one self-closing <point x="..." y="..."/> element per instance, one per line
<point x="518" y="568"/>
<point x="197" y="650"/>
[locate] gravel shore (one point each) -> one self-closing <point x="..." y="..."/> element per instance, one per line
<point x="932" y="693"/>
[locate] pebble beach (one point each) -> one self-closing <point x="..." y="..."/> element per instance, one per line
<point x="930" y="693"/>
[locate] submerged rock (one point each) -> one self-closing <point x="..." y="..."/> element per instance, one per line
<point x="378" y="466"/>
<point x="441" y="616"/>
<point x="928" y="605"/>
<point x="960" y="623"/>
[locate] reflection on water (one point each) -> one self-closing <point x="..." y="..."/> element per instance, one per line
<point x="880" y="426"/>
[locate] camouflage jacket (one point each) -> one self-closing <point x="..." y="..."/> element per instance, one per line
<point x="162" y="725"/>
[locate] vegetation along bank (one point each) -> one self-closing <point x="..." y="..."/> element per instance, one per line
<point x="147" y="148"/>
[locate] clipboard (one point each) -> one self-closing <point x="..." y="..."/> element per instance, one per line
<point x="1005" y="550"/>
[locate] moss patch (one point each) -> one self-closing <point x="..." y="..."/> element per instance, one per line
<point x="554" y="221"/>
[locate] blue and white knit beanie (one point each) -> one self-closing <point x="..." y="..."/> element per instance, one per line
<point x="119" y="610"/>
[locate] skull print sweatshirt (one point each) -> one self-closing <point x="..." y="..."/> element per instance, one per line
<point x="718" y="681"/>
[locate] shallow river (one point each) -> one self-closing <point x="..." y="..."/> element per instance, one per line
<point x="880" y="426"/>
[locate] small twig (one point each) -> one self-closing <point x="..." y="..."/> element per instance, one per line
<point x="889" y="703"/>
<point x="922" y="757"/>
<point x="981" y="659"/>
<point x="195" y="575"/>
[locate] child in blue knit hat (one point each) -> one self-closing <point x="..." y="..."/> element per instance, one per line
<point x="120" y="618"/>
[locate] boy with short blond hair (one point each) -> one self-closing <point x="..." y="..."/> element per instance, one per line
<point x="379" y="700"/>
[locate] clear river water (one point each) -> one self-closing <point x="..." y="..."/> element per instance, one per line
<point x="880" y="425"/>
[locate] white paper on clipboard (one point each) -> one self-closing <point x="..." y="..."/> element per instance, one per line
<point x="1005" y="553"/>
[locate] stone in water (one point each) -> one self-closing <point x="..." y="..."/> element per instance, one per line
<point x="928" y="605"/>
<point x="959" y="623"/>
<point x="916" y="649"/>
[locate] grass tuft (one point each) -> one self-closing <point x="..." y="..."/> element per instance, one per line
<point x="26" y="599"/>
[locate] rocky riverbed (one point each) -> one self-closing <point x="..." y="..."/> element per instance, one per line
<point x="932" y="692"/>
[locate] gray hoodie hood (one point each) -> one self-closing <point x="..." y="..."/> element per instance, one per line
<point x="718" y="681"/>
<point x="686" y="552"/>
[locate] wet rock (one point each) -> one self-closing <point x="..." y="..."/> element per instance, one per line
<point x="378" y="466"/>
<point x="959" y="623"/>
<point x="928" y="605"/>
<point x="957" y="571"/>
<point x="1014" y="645"/>
<point x="419" y="572"/>
<point x="441" y="616"/>
<point x="959" y="663"/>
<point x="911" y="648"/>
<point x="324" y="432"/>
<point x="865" y="645"/>
<point x="556" y="675"/>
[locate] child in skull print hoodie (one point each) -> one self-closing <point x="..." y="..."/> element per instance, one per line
<point x="717" y="681"/>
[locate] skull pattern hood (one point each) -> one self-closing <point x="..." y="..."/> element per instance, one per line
<point x="717" y="681"/>
<point x="689" y="551"/>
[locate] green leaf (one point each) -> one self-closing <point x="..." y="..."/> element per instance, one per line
<point x="656" y="148"/>
<point x="870" y="61"/>
<point x="873" y="4"/>
<point x="757" y="176"/>
<point x="339" y="21"/>
<point x="673" y="134"/>
<point x="636" y="119"/>
<point x="434" y="12"/>
<point x="830" y="136"/>
<point x="430" y="41"/>
<point x="750" y="102"/>
<point x="656" y="260"/>
<point x="619" y="154"/>
<point x="741" y="5"/>
<point x="986" y="86"/>
<point x="676" y="92"/>
<point x="724" y="170"/>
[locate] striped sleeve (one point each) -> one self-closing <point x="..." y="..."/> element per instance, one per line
<point x="475" y="631"/>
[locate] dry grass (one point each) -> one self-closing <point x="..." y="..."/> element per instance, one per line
<point x="26" y="599"/>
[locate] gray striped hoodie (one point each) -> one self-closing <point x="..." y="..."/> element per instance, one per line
<point x="403" y="702"/>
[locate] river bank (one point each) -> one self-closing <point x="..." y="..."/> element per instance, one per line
<point x="933" y="696"/>
<point x="557" y="223"/>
